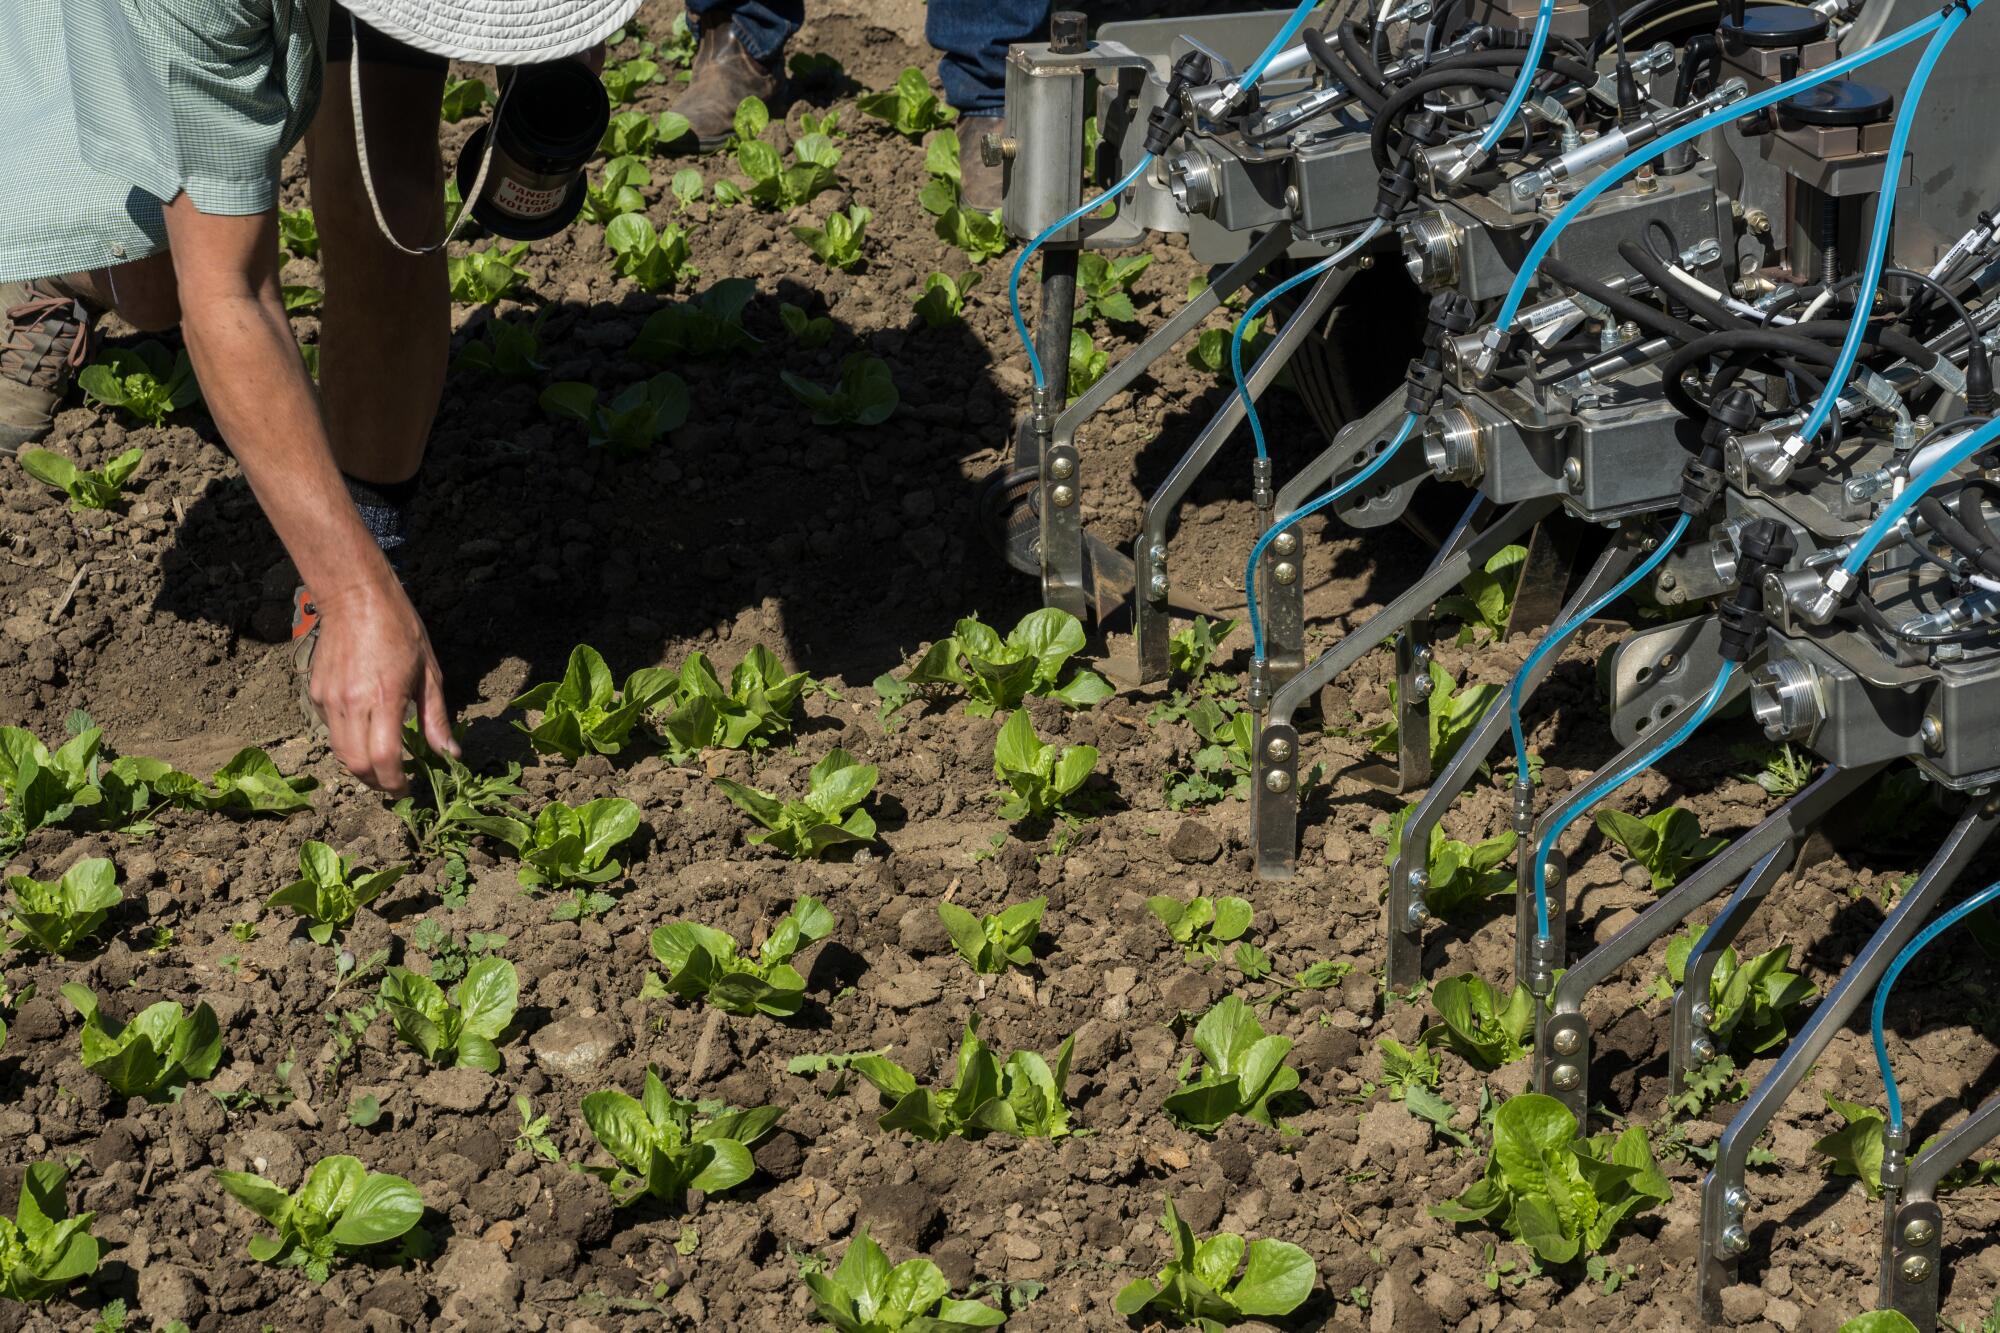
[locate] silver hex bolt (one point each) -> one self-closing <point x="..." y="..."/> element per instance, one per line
<point x="1278" y="750"/>
<point x="1737" y="1200"/>
<point x="1566" y="1078"/>
<point x="1917" y="1268"/>
<point x="1932" y="731"/>
<point x="1567" y="1041"/>
<point x="1285" y="543"/>
<point x="1735" y="1240"/>
<point x="1277" y="782"/>
<point x="1702" y="1049"/>
<point x="1919" y="1232"/>
<point x="1063" y="496"/>
<point x="1704" y="1013"/>
<point x="1285" y="571"/>
<point x="1418" y="914"/>
<point x="1061" y="467"/>
<point x="1157" y="585"/>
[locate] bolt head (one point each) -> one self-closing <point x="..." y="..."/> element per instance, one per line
<point x="1917" y="1268"/>
<point x="1566" y="1078"/>
<point x="1157" y="585"/>
<point x="1567" y="1041"/>
<point x="1278" y="750"/>
<point x="1932" y="731"/>
<point x="989" y="149"/>
<point x="1919" y="1232"/>
<point x="1063" y="496"/>
<point x="1417" y="915"/>
<point x="1285" y="571"/>
<point x="1735" y="1240"/>
<point x="1285" y="543"/>
<point x="1419" y="881"/>
<point x="1736" y="1199"/>
<point x="1277" y="782"/>
<point x="1704" y="1014"/>
<point x="1702" y="1049"/>
<point x="1062" y="467"/>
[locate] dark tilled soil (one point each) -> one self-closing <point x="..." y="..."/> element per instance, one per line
<point x="845" y="551"/>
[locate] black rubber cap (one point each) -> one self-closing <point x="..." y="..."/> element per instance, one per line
<point x="1841" y="102"/>
<point x="1067" y="32"/>
<point x="1772" y="27"/>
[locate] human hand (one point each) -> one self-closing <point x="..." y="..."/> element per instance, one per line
<point x="373" y="661"/>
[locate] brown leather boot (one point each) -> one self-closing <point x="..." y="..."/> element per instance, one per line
<point x="979" y="184"/>
<point x="45" y="337"/>
<point x="722" y="76"/>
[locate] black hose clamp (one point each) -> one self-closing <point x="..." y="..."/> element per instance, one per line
<point x="1763" y="547"/>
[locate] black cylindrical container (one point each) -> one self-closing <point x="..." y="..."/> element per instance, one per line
<point x="550" y="123"/>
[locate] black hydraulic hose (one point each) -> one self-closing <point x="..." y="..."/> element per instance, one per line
<point x="1573" y="70"/>
<point x="1647" y="317"/>
<point x="1410" y="96"/>
<point x="1654" y="270"/>
<point x="1357" y="56"/>
<point x="1950" y="528"/>
<point x="1767" y="341"/>
<point x="1328" y="59"/>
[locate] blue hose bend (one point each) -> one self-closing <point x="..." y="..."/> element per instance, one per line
<point x="1893" y="512"/>
<point x="1545" y="17"/>
<point x="1910" y="951"/>
<point x="1020" y="265"/>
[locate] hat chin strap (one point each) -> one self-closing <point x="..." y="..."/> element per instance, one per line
<point x="368" y="175"/>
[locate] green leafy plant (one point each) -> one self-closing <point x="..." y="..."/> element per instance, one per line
<point x="979" y="235"/>
<point x="1191" y="651"/>
<point x="1221" y="767"/>
<point x="1322" y="975"/>
<point x="1891" y="1321"/>
<point x="630" y="134"/>
<point x="460" y="799"/>
<point x="510" y="350"/>
<point x="449" y="957"/>
<point x="1479" y="1023"/>
<point x="43" y="1250"/>
<point x="1782" y="770"/>
<point x="941" y="303"/>
<point x="533" y="1136"/>
<point x="462" y="98"/>
<point x="990" y="944"/>
<point x="459" y="1030"/>
<point x="633" y="421"/>
<point x="1243" y="1072"/>
<point x="1022" y="1096"/>
<point x="1668" y="843"/>
<point x="1451" y="714"/>
<point x="87" y="488"/>
<point x="481" y="277"/>
<point x="703" y="963"/>
<point x="1221" y="1281"/>
<point x="298" y="234"/>
<point x="1202" y="925"/>
<point x="160" y="1051"/>
<point x="752" y="118"/>
<point x="1086" y="363"/>
<point x="1038" y="778"/>
<point x="585" y="712"/>
<point x="665" y="1146"/>
<point x="300" y="299"/>
<point x="829" y="815"/>
<point x="777" y="186"/>
<point x="1457" y="875"/>
<point x="57" y="917"/>
<point x="1405" y="1071"/>
<point x="1210" y="351"/>
<point x="838" y="244"/>
<point x="1486" y="597"/>
<point x="940" y="193"/>
<point x="810" y="331"/>
<point x="43" y="787"/>
<point x="865" y="396"/>
<point x="341" y="1207"/>
<point x="617" y="191"/>
<point x="328" y="892"/>
<point x="145" y="381"/>
<point x="753" y="710"/>
<point x="624" y="79"/>
<point x="250" y="782"/>
<point x="1857" y="1147"/>
<point x="866" y="1295"/>
<point x="1104" y="287"/>
<point x="910" y="107"/>
<point x="653" y="259"/>
<point x="567" y="847"/>
<point x="1560" y="1195"/>
<point x="686" y="187"/>
<point x="995" y="674"/>
<point x="1754" y="1003"/>
<point x="711" y="324"/>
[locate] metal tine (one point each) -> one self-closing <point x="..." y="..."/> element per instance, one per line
<point x="1274" y="803"/>
<point x="1913" y="1224"/>
<point x="1762" y="857"/>
<point x="1150" y="608"/>
<point x="1724" y="1200"/>
<point x="1525" y="965"/>
<point x="1405" y="906"/>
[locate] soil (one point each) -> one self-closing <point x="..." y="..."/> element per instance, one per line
<point x="846" y="552"/>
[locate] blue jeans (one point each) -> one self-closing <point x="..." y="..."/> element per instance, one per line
<point x="971" y="37"/>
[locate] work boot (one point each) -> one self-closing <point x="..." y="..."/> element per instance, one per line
<point x="978" y="183"/>
<point x="305" y="643"/>
<point x="45" y="337"/>
<point x="723" y="75"/>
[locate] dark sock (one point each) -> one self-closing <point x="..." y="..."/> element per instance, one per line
<point x="385" y="511"/>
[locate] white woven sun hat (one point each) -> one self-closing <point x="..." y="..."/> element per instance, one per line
<point x="496" y="32"/>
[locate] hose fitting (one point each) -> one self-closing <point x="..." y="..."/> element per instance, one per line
<point x="1451" y="314"/>
<point x="1763" y="547"/>
<point x="1170" y="118"/>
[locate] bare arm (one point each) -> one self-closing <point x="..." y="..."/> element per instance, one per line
<point x="373" y="658"/>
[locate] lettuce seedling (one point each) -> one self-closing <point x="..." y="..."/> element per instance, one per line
<point x="45" y="788"/>
<point x="462" y="98"/>
<point x="991" y="943"/>
<point x="328" y="892"/>
<point x="829" y="815"/>
<point x="1201" y="1286"/>
<point x="1560" y="1195"/>
<point x="1211" y="349"/>
<point x="1243" y="1071"/>
<point x="866" y="1295"/>
<point x="995" y="674"/>
<point x="665" y="1146"/>
<point x="566" y="847"/>
<point x="673" y="127"/>
<point x="617" y="191"/>
<point x="1451" y="714"/>
<point x="865" y="396"/>
<point x="158" y="1053"/>
<point x="1479" y="1024"/>
<point x="300" y="299"/>
<point x="653" y="259"/>
<point x="838" y="244"/>
<point x="1191" y="653"/>
<point x="511" y="350"/>
<point x="630" y="423"/>
<point x="978" y="234"/>
<point x="1667" y="844"/>
<point x="1022" y="1097"/>
<point x="941" y="303"/>
<point x="810" y="331"/>
<point x="461" y="803"/>
<point x="87" y="488"/>
<point x="459" y="1031"/>
<point x="1457" y="874"/>
<point x="1486" y="597"/>
<point x="585" y="712"/>
<point x="1856" y="1149"/>
<point x="774" y="185"/>
<point x="709" y="325"/>
<point x="910" y="107"/>
<point x="623" y="80"/>
<point x="941" y="192"/>
<point x="752" y="118"/>
<point x="298" y="234"/>
<point x="43" y="1250"/>
<point x="146" y="381"/>
<point x="1038" y="778"/>
<point x="629" y="134"/>
<point x="703" y="963"/>
<point x="1104" y="287"/>
<point x="481" y="277"/>
<point x="1201" y="926"/>
<point x="342" y="1207"/>
<point x="754" y="710"/>
<point x="685" y="187"/>
<point x="1753" y="1003"/>
<point x="56" y="918"/>
<point x="1221" y="766"/>
<point x="1086" y="363"/>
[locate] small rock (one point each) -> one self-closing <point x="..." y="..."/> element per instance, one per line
<point x="574" y="1048"/>
<point x="1194" y="843"/>
<point x="168" y="1291"/>
<point x="1741" y="1304"/>
<point x="460" y="1089"/>
<point x="397" y="1295"/>
<point x="907" y="990"/>
<point x="1785" y="1314"/>
<point x="921" y="932"/>
<point x="1396" y="1307"/>
<point x="901" y="1215"/>
<point x="479" y="1267"/>
<point x="267" y="1153"/>
<point x="1021" y="1248"/>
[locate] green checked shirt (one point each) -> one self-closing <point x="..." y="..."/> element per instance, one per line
<point x="110" y="108"/>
